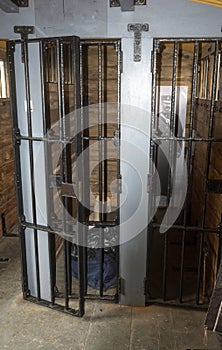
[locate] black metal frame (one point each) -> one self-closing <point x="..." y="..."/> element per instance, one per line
<point x="185" y="227"/>
<point x="79" y="73"/>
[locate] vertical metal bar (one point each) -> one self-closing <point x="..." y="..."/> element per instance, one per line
<point x="83" y="84"/>
<point x="105" y="167"/>
<point x="117" y="250"/>
<point x="173" y="96"/>
<point x="17" y="161"/>
<point x="100" y="87"/>
<point x="51" y="237"/>
<point x="153" y="122"/>
<point x="193" y="94"/>
<point x="165" y="258"/>
<point x="60" y="77"/>
<point x="4" y="231"/>
<point x="219" y="244"/>
<point x="31" y="158"/>
<point x="172" y="132"/>
<point x="154" y="80"/>
<point x="209" y="142"/>
<point x="81" y="215"/>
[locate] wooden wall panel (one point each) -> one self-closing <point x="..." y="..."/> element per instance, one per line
<point x="198" y="179"/>
<point x="7" y="186"/>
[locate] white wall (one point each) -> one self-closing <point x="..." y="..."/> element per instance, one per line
<point x="88" y="18"/>
<point x="171" y="18"/>
<point x="26" y="16"/>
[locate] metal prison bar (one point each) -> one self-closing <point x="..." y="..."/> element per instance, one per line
<point x="183" y="227"/>
<point x="34" y="230"/>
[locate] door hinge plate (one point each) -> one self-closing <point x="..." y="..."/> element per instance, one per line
<point x="145" y="284"/>
<point x="138" y="28"/>
<point x="121" y="287"/>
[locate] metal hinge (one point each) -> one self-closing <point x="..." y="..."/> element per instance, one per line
<point x="149" y="182"/>
<point x="145" y="286"/>
<point x="116" y="137"/>
<point x="121" y="61"/>
<point x="119" y="184"/>
<point x="121" y="287"/>
<point x="152" y="62"/>
<point x="17" y="137"/>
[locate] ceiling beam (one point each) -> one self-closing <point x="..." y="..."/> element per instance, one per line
<point x="217" y="3"/>
<point x="12" y="6"/>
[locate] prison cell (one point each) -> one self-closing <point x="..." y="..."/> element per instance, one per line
<point x="65" y="105"/>
<point x="66" y="132"/>
<point x="182" y="263"/>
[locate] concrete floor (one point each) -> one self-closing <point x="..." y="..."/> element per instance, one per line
<point x="105" y="326"/>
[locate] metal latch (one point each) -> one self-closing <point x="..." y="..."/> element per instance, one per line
<point x="24" y="31"/>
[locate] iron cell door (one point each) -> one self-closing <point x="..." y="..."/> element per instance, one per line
<point x="55" y="128"/>
<point x="184" y="237"/>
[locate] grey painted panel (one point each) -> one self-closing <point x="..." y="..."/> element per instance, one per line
<point x="135" y="122"/>
<point x="39" y="169"/>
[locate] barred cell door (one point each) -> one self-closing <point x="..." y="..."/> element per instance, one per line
<point x="65" y="118"/>
<point x="184" y="237"/>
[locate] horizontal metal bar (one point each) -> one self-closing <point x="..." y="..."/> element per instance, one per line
<point x="188" y="228"/>
<point x="192" y="139"/>
<point x="66" y="140"/>
<point x="102" y="223"/>
<point x="43" y="228"/>
<point x="99" y="138"/>
<point x="48" y="229"/>
<point x="68" y="39"/>
<point x="57" y="307"/>
<point x="177" y="304"/>
<point x="105" y="297"/>
<point x="101" y="42"/>
<point x="191" y="40"/>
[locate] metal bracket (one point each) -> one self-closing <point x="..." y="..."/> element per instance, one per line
<point x="116" y="137"/>
<point x="126" y="5"/>
<point x="21" y="3"/>
<point x="24" y="31"/>
<point x="149" y="182"/>
<point x="137" y="28"/>
<point x="55" y="181"/>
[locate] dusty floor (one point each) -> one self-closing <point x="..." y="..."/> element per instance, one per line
<point x="105" y="326"/>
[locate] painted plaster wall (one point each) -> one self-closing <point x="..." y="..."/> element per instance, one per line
<point x="96" y="19"/>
